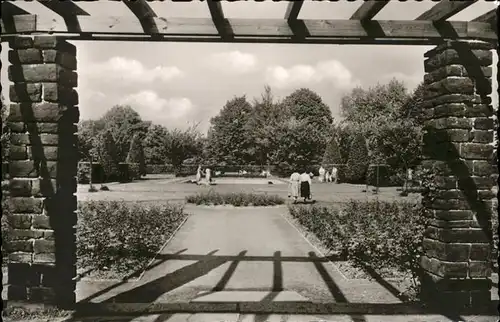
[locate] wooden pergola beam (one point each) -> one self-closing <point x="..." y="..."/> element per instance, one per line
<point x="9" y="9"/>
<point x="262" y="29"/>
<point x="68" y="10"/>
<point x="143" y="11"/>
<point x="293" y="10"/>
<point x="489" y="17"/>
<point x="218" y="19"/>
<point x="445" y="9"/>
<point x="369" y="9"/>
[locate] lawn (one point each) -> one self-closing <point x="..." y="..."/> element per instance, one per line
<point x="163" y="188"/>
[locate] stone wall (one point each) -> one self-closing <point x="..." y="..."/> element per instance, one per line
<point x="459" y="150"/>
<point x="42" y="170"/>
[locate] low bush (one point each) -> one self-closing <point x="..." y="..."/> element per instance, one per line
<point x="380" y="235"/>
<point x="123" y="236"/>
<point x="236" y="199"/>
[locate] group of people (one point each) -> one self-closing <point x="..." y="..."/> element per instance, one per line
<point x="300" y="186"/>
<point x="327" y="176"/>
<point x="199" y="175"/>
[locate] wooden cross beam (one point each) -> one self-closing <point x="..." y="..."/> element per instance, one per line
<point x="445" y="9"/>
<point x="293" y="9"/>
<point x="489" y="17"/>
<point x="220" y="22"/>
<point x="143" y="11"/>
<point x="262" y="30"/>
<point x="9" y="9"/>
<point x="369" y="9"/>
<point x="68" y="10"/>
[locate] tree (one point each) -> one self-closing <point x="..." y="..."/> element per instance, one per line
<point x="108" y="154"/>
<point x="182" y="145"/>
<point x="228" y="138"/>
<point x="298" y="144"/>
<point x="357" y="164"/>
<point x="304" y="104"/>
<point x="88" y="136"/>
<point x="136" y="153"/>
<point x="260" y="128"/>
<point x="155" y="149"/>
<point x="382" y="100"/>
<point x="123" y="122"/>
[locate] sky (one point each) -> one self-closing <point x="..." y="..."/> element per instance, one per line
<point x="178" y="84"/>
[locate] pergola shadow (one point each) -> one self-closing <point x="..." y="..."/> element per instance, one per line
<point x="140" y="300"/>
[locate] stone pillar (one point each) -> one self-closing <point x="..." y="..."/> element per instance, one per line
<point x="42" y="170"/>
<point x="458" y="146"/>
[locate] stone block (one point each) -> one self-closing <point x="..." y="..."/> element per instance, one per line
<point x="65" y="59"/>
<point x="25" y="92"/>
<point x="25" y="56"/>
<point x="444" y="269"/>
<point x="25" y="205"/>
<point x="54" y="42"/>
<point x="480" y="252"/>
<point x="44" y="246"/>
<point x="53" y="92"/>
<point x="447" y="252"/>
<point x="457" y="235"/>
<point x="479" y="269"/>
<point x="20" y="221"/>
<point x="483" y="123"/>
<point x="20" y="187"/>
<point x="476" y="151"/>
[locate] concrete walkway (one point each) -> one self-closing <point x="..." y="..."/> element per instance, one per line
<point x="226" y="259"/>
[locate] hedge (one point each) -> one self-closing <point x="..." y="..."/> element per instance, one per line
<point x="377" y="234"/>
<point x="159" y="168"/>
<point x="126" y="173"/>
<point x="236" y="199"/>
<point x="123" y="236"/>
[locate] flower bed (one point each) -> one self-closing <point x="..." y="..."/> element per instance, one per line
<point x="116" y="238"/>
<point x="383" y="236"/>
<point x="236" y="199"/>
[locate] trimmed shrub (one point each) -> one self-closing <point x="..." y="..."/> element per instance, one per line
<point x="108" y="155"/>
<point x="83" y="173"/>
<point x="383" y="176"/>
<point x="357" y="163"/>
<point x="123" y="235"/>
<point x="380" y="235"/>
<point x="136" y="154"/>
<point x="236" y="199"/>
<point x="332" y="153"/>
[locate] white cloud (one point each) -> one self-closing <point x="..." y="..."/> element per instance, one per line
<point x="331" y="71"/>
<point x="121" y="68"/>
<point x="411" y="81"/>
<point x="234" y="61"/>
<point x="160" y="110"/>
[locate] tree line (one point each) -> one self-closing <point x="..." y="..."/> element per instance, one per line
<point x="381" y="124"/>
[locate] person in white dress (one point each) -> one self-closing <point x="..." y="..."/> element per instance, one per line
<point x="334" y="174"/>
<point x="208" y="175"/>
<point x="294" y="186"/>
<point x="321" y="172"/>
<point x="198" y="175"/>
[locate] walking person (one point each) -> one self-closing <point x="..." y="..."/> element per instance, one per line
<point x="334" y="174"/>
<point x="328" y="176"/>
<point x="208" y="176"/>
<point x="198" y="175"/>
<point x="321" y="172"/>
<point x="409" y="180"/>
<point x="294" y="186"/>
<point x="305" y="186"/>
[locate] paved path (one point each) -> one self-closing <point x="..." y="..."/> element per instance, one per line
<point x="250" y="254"/>
<point x="255" y="258"/>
